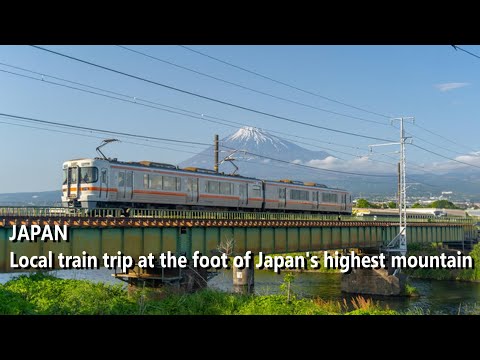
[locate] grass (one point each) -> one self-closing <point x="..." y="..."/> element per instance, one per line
<point x="45" y="294"/>
<point x="411" y="291"/>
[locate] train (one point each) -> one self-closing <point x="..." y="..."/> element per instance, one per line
<point x="102" y="183"/>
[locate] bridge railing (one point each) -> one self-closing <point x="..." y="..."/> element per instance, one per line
<point x="33" y="211"/>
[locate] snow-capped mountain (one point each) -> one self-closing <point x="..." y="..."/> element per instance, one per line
<point x="246" y="144"/>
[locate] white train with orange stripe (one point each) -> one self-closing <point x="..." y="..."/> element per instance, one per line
<point x="101" y="183"/>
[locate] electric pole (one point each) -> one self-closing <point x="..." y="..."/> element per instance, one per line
<point x="399" y="243"/>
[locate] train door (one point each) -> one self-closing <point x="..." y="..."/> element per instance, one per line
<point x="243" y="195"/>
<point x="129" y="185"/>
<point x="315" y="199"/>
<point x="103" y="184"/>
<point x="344" y="202"/>
<point x="125" y="184"/>
<point x="73" y="179"/>
<point x="282" y="198"/>
<point x="192" y="190"/>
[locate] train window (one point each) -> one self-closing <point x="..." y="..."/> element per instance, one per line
<point x="89" y="174"/>
<point x="315" y="196"/>
<point x="104" y="176"/>
<point x="121" y="179"/>
<point x="329" y="198"/>
<point x="179" y="184"/>
<point x="299" y="195"/>
<point x="156" y="182"/>
<point x="65" y="173"/>
<point x="146" y="184"/>
<point x="256" y="191"/>
<point x="169" y="183"/>
<point x="281" y="193"/>
<point x="225" y="188"/>
<point x="213" y="187"/>
<point x="73" y="175"/>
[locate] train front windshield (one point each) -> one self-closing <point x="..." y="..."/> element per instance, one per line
<point x="86" y="175"/>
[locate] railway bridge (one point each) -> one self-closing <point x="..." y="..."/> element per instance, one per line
<point x="182" y="232"/>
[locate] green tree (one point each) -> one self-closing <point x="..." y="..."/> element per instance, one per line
<point x="363" y="203"/>
<point x="417" y="206"/>
<point x="286" y="286"/>
<point x="443" y="204"/>
<point x="392" y="205"/>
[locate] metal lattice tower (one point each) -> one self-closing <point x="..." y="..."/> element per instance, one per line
<point x="399" y="243"/>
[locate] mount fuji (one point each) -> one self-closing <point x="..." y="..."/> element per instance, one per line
<point x="247" y="143"/>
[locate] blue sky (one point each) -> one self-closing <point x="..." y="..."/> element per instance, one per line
<point x="435" y="84"/>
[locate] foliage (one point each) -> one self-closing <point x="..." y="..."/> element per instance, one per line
<point x="443" y="204"/>
<point x="417" y="206"/>
<point x="363" y="203"/>
<point x="475" y="254"/>
<point x="411" y="290"/>
<point x="392" y="205"/>
<point x="444" y="274"/>
<point x="286" y="286"/>
<point x="45" y="294"/>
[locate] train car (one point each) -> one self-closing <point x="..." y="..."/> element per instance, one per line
<point x="92" y="183"/>
<point x="291" y="195"/>
<point x="97" y="183"/>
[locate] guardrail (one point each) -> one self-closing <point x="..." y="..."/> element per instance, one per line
<point x="33" y="211"/>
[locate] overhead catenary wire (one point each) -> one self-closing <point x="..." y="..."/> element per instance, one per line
<point x="180" y="141"/>
<point x="444" y="138"/>
<point x="445" y="157"/>
<point x="431" y="143"/>
<point x="249" y="88"/>
<point x="139" y="101"/>
<point x="285" y="84"/>
<point x="207" y="97"/>
<point x="327" y="98"/>
<point x="96" y="137"/>
<point x="183" y="112"/>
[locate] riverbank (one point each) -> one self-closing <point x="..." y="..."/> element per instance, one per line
<point x="472" y="275"/>
<point x="45" y="294"/>
<point x="311" y="294"/>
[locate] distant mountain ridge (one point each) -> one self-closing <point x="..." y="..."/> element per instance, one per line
<point x="243" y="144"/>
<point x="38" y="198"/>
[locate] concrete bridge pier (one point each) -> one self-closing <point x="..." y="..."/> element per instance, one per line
<point x="243" y="279"/>
<point x="384" y="282"/>
<point x="162" y="281"/>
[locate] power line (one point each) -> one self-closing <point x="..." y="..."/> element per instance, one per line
<point x="47" y="81"/>
<point x="430" y="143"/>
<point x="283" y="83"/>
<point x="456" y="47"/>
<point x="96" y="137"/>
<point x="167" y="148"/>
<point x="248" y="88"/>
<point x="138" y="101"/>
<point x="445" y="157"/>
<point x="208" y="98"/>
<point x="311" y="167"/>
<point x="135" y="101"/>
<point x="444" y="138"/>
<point x="178" y="141"/>
<point x="100" y="130"/>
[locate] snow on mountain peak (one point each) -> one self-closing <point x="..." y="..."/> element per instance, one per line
<point x="249" y="133"/>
